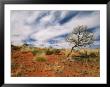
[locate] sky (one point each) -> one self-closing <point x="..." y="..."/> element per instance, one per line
<point x="50" y="27"/>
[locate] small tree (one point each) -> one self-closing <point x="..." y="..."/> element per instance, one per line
<point x="80" y="37"/>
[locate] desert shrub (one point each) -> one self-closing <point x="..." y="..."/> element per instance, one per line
<point x="84" y="54"/>
<point x="83" y="60"/>
<point x="49" y="52"/>
<point x="56" y="51"/>
<point x="40" y="59"/>
<point x="52" y="51"/>
<point x="34" y="52"/>
<point x="15" y="47"/>
<point x="89" y="59"/>
<point x="88" y="54"/>
<point x="92" y="54"/>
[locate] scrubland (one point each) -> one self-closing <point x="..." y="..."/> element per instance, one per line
<point x="51" y="62"/>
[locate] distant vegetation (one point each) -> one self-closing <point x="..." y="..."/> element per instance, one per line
<point x="53" y="51"/>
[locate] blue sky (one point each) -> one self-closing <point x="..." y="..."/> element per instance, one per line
<point x="49" y="28"/>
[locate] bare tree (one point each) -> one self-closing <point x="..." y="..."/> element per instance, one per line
<point x="80" y="37"/>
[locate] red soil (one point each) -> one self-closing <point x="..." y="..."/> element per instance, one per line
<point x="24" y="65"/>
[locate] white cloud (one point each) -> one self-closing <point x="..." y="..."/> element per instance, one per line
<point x="90" y="21"/>
<point x="50" y="32"/>
<point x="25" y="24"/>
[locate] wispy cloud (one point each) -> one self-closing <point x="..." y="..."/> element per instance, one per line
<point x="49" y="28"/>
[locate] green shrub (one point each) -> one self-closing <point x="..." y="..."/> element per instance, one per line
<point x="87" y="54"/>
<point x="84" y="54"/>
<point x="52" y="51"/>
<point x="56" y="51"/>
<point x="92" y="54"/>
<point x="49" y="52"/>
<point x="40" y="59"/>
<point x="15" y="47"/>
<point x="34" y="52"/>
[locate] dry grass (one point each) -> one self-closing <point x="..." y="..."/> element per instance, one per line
<point x="38" y="62"/>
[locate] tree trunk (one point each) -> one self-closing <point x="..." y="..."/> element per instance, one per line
<point x="70" y="51"/>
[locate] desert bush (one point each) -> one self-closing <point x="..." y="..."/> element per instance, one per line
<point x="93" y="54"/>
<point x="52" y="51"/>
<point x="15" y="47"/>
<point x="89" y="53"/>
<point x="89" y="59"/>
<point x="84" y="54"/>
<point x="56" y="51"/>
<point x="40" y="59"/>
<point x="49" y="52"/>
<point x="34" y="52"/>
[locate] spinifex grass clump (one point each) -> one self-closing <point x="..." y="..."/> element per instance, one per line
<point x="40" y="59"/>
<point x="34" y="52"/>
